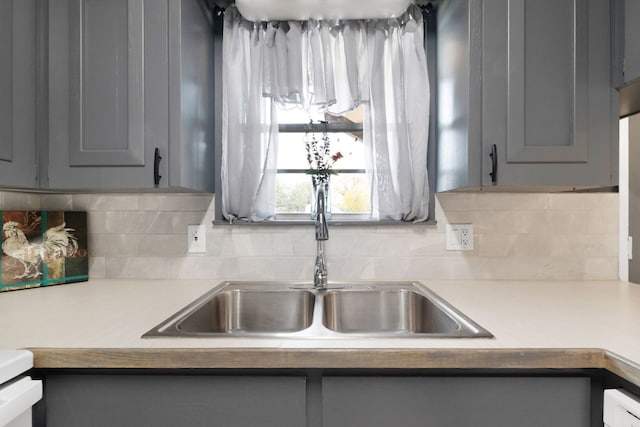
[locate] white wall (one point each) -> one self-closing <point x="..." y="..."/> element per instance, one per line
<point x="562" y="236"/>
<point x="623" y="215"/>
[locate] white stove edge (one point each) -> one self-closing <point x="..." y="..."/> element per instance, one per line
<point x="14" y="363"/>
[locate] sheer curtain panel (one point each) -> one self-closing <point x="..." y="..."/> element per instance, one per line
<point x="249" y="125"/>
<point x="397" y="118"/>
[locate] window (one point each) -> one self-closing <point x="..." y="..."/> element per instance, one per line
<point x="350" y="192"/>
<point x="396" y="118"/>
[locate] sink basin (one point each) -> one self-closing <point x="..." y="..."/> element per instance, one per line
<point x="386" y="311"/>
<point x="250" y="311"/>
<point x="297" y="310"/>
<point x="244" y="309"/>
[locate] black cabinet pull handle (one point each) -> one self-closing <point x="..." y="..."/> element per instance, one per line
<point x="156" y="167"/>
<point x="494" y="164"/>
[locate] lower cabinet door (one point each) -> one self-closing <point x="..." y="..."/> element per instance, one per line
<point x="175" y="400"/>
<point x="455" y="401"/>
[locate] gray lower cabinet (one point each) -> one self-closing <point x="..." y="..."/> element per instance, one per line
<point x="174" y="400"/>
<point x="316" y="400"/>
<point x="127" y="79"/>
<point x="455" y="402"/>
<point x="18" y="162"/>
<point x="532" y="78"/>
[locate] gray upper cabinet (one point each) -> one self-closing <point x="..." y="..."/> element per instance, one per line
<point x="538" y="87"/>
<point x="627" y="36"/>
<point x="626" y="66"/>
<point x="117" y="95"/>
<point x="18" y="161"/>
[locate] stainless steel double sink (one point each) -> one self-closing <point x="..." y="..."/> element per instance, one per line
<point x="297" y="310"/>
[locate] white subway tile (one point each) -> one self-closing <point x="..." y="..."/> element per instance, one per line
<point x="179" y="220"/>
<point x="113" y="244"/>
<point x="457" y="201"/>
<point x="162" y="244"/>
<point x="569" y="201"/>
<point x="498" y="244"/>
<point x="583" y="245"/>
<point x="482" y="268"/>
<point x="18" y="201"/>
<point x="150" y="222"/>
<point x="97" y="267"/>
<point x="175" y="202"/>
<point x="544" y="268"/>
<point x="601" y="268"/>
<point x="122" y="222"/>
<point x="56" y="202"/>
<point x="105" y="202"/>
<point x="138" y="267"/>
<point x="603" y="220"/>
<point x="97" y="223"/>
<point x="345" y="269"/>
<point x="199" y="267"/>
<point x="512" y="201"/>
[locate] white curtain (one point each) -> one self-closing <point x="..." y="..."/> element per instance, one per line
<point x="249" y="125"/>
<point x="339" y="65"/>
<point x="397" y="118"/>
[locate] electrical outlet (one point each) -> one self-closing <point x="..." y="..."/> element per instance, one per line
<point x="459" y="237"/>
<point x="196" y="239"/>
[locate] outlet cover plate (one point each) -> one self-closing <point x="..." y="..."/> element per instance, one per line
<point x="459" y="237"/>
<point x="196" y="239"/>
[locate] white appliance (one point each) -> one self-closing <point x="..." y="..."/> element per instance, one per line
<point x="18" y="393"/>
<point x="621" y="409"/>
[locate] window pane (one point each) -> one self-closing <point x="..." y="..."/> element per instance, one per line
<point x="293" y="114"/>
<point x="291" y="151"/>
<point x="293" y="193"/>
<point x="350" y="193"/>
<point x="292" y="154"/>
<point x="350" y="190"/>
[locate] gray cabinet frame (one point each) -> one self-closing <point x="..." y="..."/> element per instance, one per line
<point x="320" y="398"/>
<point x="560" y="133"/>
<point x="118" y="95"/>
<point x="18" y="102"/>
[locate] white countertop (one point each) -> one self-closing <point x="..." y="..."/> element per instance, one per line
<point x="113" y="314"/>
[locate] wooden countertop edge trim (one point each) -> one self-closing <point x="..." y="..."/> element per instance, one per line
<point x="622" y="367"/>
<point x="360" y="358"/>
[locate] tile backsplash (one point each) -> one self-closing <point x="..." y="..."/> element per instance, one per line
<point x="529" y="236"/>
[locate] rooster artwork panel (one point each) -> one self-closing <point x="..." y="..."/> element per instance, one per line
<point x="43" y="248"/>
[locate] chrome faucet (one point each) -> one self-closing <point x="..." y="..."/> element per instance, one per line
<point x="322" y="234"/>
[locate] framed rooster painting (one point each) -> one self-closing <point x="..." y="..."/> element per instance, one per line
<point x="43" y="248"/>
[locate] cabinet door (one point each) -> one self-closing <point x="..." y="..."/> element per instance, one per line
<point x="18" y="93"/>
<point x="631" y="62"/>
<point x="174" y="400"/>
<point x="455" y="402"/>
<point x="108" y="92"/>
<point x="546" y="92"/>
